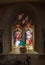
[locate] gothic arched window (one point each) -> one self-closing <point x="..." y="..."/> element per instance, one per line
<point x="23" y="33"/>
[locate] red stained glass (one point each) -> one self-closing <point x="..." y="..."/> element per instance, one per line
<point x="17" y="25"/>
<point x="30" y="41"/>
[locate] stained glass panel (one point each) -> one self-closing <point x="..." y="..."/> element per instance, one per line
<point x="29" y="36"/>
<point x="23" y="32"/>
<point x="17" y="38"/>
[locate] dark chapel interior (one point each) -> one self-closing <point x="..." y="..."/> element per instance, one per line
<point x="11" y="54"/>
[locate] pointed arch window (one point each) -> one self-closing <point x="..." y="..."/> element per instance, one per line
<point x="23" y="33"/>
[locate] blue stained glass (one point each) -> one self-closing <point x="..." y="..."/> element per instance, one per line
<point x="22" y="43"/>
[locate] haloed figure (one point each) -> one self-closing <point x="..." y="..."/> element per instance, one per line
<point x="28" y="39"/>
<point x="18" y="38"/>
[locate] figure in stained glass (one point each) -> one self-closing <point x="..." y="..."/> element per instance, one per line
<point x="29" y="36"/>
<point x="18" y="37"/>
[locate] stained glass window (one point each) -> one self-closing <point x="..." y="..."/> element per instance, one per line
<point x="29" y="37"/>
<point x="18" y="37"/>
<point x="23" y="32"/>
